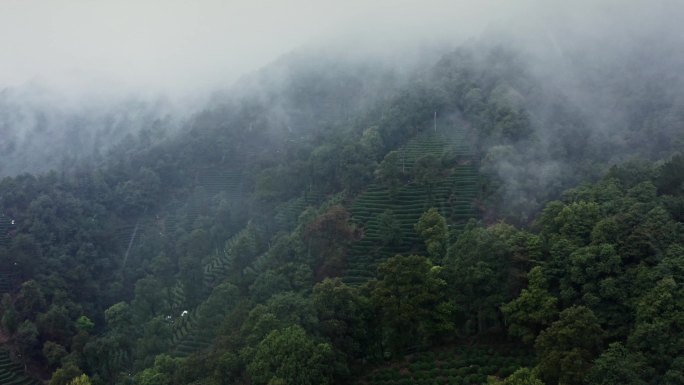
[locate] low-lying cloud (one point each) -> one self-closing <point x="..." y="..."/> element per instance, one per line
<point x="182" y="46"/>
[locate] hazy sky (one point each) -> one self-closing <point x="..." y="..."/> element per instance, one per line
<point x="180" y="44"/>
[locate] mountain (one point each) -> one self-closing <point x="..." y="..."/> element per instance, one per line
<point x="340" y="220"/>
<point x="46" y="129"/>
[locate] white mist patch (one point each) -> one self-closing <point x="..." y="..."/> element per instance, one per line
<point x="180" y="46"/>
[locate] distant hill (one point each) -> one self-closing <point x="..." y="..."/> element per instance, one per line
<point x="346" y="221"/>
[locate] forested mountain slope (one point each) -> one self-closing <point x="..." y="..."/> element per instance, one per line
<point x="45" y="129"/>
<point x="346" y="225"/>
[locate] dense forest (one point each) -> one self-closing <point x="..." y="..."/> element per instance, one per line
<point x="338" y="222"/>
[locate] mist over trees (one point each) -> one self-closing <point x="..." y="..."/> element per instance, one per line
<point x="504" y="209"/>
<point x="46" y="129"/>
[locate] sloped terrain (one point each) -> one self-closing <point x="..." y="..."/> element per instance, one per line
<point x="452" y="194"/>
<point x="463" y="365"/>
<point x="12" y="373"/>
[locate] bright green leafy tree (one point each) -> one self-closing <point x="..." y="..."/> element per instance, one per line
<point x="432" y="227"/>
<point x="290" y="356"/>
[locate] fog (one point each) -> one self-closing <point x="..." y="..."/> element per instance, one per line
<point x="91" y="57"/>
<point x="185" y="46"/>
<point x="191" y="46"/>
<point x="69" y="68"/>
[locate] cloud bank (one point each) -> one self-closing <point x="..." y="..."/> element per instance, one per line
<point x="181" y="46"/>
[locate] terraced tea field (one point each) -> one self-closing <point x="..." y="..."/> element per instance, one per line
<point x="8" y="281"/>
<point x="219" y="265"/>
<point x="8" y="277"/>
<point x="5" y="227"/>
<point x="215" y="180"/>
<point x="464" y="365"/>
<point x="452" y="194"/>
<point x="288" y="213"/>
<point x="12" y="373"/>
<point x="192" y="330"/>
<point x="188" y="336"/>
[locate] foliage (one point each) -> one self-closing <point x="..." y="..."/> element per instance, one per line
<point x="533" y="310"/>
<point x="290" y="356"/>
<point x="567" y="348"/>
<point x="617" y="365"/>
<point x="343" y="317"/>
<point x="65" y="375"/>
<point x="432" y="227"/>
<point x="522" y="376"/>
<point x="413" y="306"/>
<point x="82" y="380"/>
<point x="390" y="171"/>
<point x="206" y="258"/>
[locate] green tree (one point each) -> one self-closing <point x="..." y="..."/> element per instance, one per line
<point x="228" y="368"/>
<point x="290" y="357"/>
<point x="26" y="340"/>
<point x="243" y="250"/>
<point x="65" y="374"/>
<point x="413" y="304"/>
<point x="84" y="324"/>
<point x="356" y="167"/>
<point x="119" y="318"/>
<point x="343" y="318"/>
<point x="81" y="380"/>
<point x="672" y="264"/>
<point x="54" y="353"/>
<point x="675" y="374"/>
<point x="280" y="311"/>
<point x="111" y="352"/>
<point x="155" y="339"/>
<point x="432" y="227"/>
<point x="371" y="141"/>
<point x="107" y="355"/>
<point x="659" y="329"/>
<point x="149" y="299"/>
<point x="30" y="301"/>
<point x="10" y="317"/>
<point x="56" y="324"/>
<point x="275" y="184"/>
<point x="221" y="300"/>
<point x="390" y="172"/>
<point x="670" y="180"/>
<point x="481" y="271"/>
<point x="522" y="376"/>
<point x="576" y="220"/>
<point x="267" y="284"/>
<point x="567" y="348"/>
<point x="533" y="310"/>
<point x="324" y="163"/>
<point x="618" y="365"/>
<point x="139" y="193"/>
<point x="163" y="372"/>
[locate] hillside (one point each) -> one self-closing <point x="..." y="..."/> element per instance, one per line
<point x="350" y="225"/>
